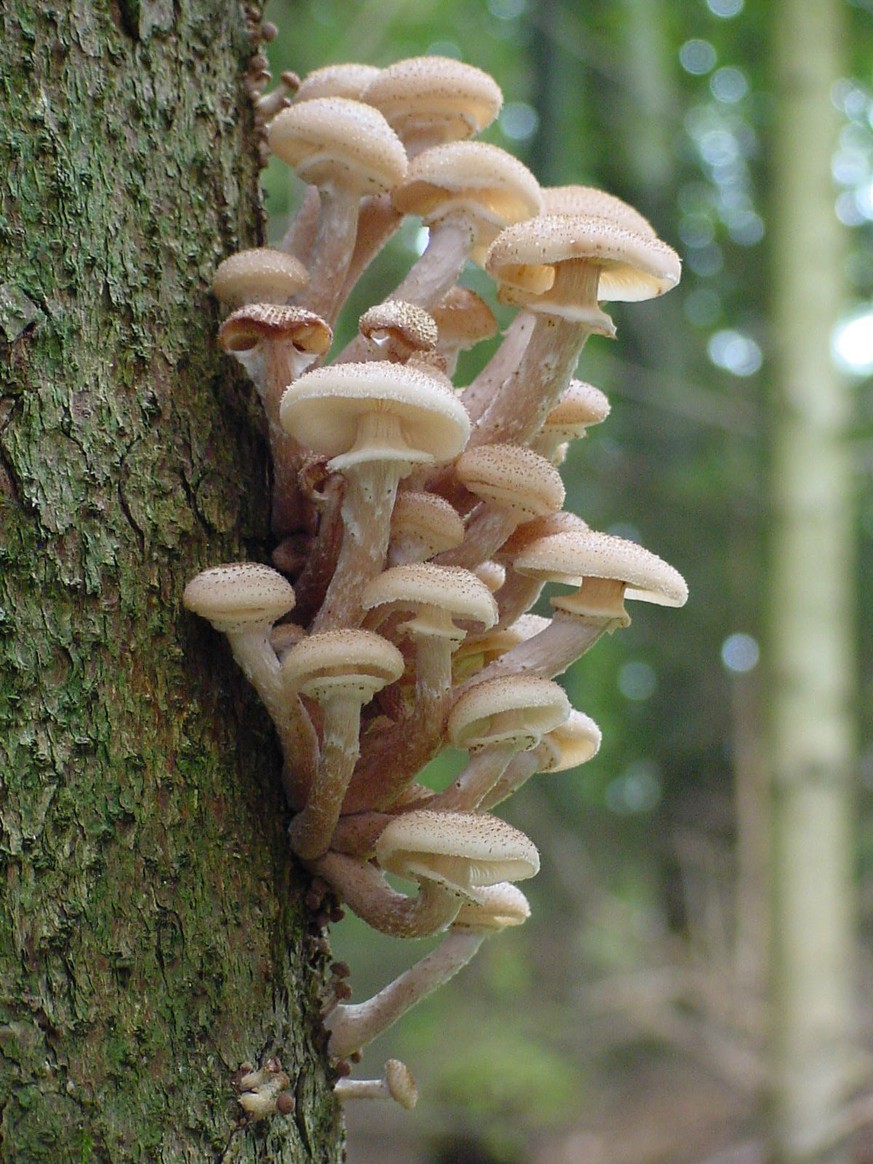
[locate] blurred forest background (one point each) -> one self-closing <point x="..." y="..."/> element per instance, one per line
<point x="694" y="982"/>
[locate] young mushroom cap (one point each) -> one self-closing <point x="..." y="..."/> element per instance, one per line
<point x="377" y="410"/>
<point x="459" y="850"/>
<point x="517" y="711"/>
<point x="463" y="319"/>
<point x="496" y="908"/>
<point x="336" y="139"/>
<point x="239" y="596"/>
<point x="398" y="329"/>
<point x="512" y="477"/>
<point x="437" y="595"/>
<point x="258" y="275"/>
<point x="437" y="97"/>
<point x="571" y="743"/>
<point x="345" y="80"/>
<point x="581" y="406"/>
<point x="422" y="524"/>
<point x="351" y="662"/>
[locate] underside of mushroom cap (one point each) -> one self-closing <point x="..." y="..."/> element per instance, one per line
<point x="438" y="595"/>
<point x="342" y="661"/>
<point x="239" y="595"/>
<point x="517" y="710"/>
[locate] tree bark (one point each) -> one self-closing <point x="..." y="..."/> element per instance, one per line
<point x="811" y="572"/>
<point x="152" y="933"/>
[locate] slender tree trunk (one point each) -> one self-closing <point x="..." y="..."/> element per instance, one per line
<point x="152" y="936"/>
<point x="811" y="572"/>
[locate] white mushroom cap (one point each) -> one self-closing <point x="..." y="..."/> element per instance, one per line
<point x="512" y="477"/>
<point x="539" y="527"/>
<point x="570" y="744"/>
<point x="445" y="98"/>
<point x="518" y="710"/>
<point x="632" y="266"/>
<point x="344" y="80"/>
<point x="496" y="907"/>
<point x="327" y="409"/>
<point x="460" y="850"/>
<point x="336" y="140"/>
<point x="437" y="594"/>
<point x="484" y="183"/>
<point x="258" y="275"/>
<point x="589" y="200"/>
<point x="581" y="406"/>
<point x="341" y="662"/>
<point x="423" y="524"/>
<point x="239" y="596"/>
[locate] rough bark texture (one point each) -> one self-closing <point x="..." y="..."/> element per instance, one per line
<point x="151" y="930"/>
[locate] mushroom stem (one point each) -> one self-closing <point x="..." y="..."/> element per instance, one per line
<point x="300" y="236"/>
<point x="332" y="250"/>
<point x="516" y="773"/>
<point x="483" y="770"/>
<point x="479" y="392"/>
<point x="439" y="265"/>
<point x="396" y="1083"/>
<point x="353" y="1025"/>
<point x="366" y="892"/>
<point x="487" y="530"/>
<point x="550" y="653"/>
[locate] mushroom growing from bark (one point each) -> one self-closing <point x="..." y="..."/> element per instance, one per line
<point x="396" y="1083"/>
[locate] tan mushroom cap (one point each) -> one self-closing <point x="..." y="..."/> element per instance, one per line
<point x="541" y="527"/>
<point x="491" y="573"/>
<point x="589" y="200"/>
<point x="581" y="406"/>
<point x="570" y="744"/>
<point x="517" y="710"/>
<point x="250" y="325"/>
<point x="258" y="275"/>
<point x="437" y="595"/>
<point x="401" y="328"/>
<point x="573" y="558"/>
<point x="460" y="850"/>
<point x="400" y="1084"/>
<point x="411" y="415"/>
<point x="345" y="80"/>
<point x="463" y="319"/>
<point x="436" y="94"/>
<point x="423" y="524"/>
<point x="512" y="477"/>
<point x="496" y="907"/>
<point x="239" y="596"/>
<point x="483" y="182"/>
<point x="335" y="139"/>
<point x="342" y="662"/>
<point x="523" y="257"/>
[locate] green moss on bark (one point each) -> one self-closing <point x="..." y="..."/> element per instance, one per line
<point x="151" y="935"/>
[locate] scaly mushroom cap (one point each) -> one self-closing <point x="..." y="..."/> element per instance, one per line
<point x="437" y="594"/>
<point x="341" y="662"/>
<point x="589" y="200"/>
<point x="581" y="406"/>
<point x="335" y="139"/>
<point x="250" y="325"/>
<point x="523" y="257"/>
<point x="512" y="477"/>
<point x="423" y="524"/>
<point x="484" y="183"/>
<point x="401" y="329"/>
<point x="541" y="527"/>
<point x="460" y="850"/>
<point x="463" y="319"/>
<point x="572" y="558"/>
<point x="328" y="410"/>
<point x="446" y="99"/>
<point x="258" y="275"/>
<point x="496" y="908"/>
<point x="239" y="596"/>
<point x="570" y="744"/>
<point x="518" y="710"/>
<point x="345" y="80"/>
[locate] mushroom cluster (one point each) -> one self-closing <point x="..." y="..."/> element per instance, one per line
<point x="416" y="521"/>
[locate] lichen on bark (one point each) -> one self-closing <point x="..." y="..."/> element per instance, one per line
<point x="151" y="929"/>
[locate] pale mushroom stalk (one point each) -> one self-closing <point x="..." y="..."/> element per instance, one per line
<point x="514" y="776"/>
<point x="516" y="596"/>
<point x="479" y="392"/>
<point x="300" y="237"/>
<point x="442" y="260"/>
<point x="364" y="889"/>
<point x="396" y="1083"/>
<point x="487" y="530"/>
<point x="481" y="773"/>
<point x="353" y="1025"/>
<point x="378" y="222"/>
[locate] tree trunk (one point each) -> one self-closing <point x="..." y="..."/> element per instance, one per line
<point x="811" y="572"/>
<point x="152" y="934"/>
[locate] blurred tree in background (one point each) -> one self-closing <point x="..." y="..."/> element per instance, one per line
<point x="627" y="1020"/>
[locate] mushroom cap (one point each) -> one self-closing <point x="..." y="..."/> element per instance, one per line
<point x="258" y="275"/>
<point x="491" y="573"/>
<point x="400" y="1084"/>
<point x="572" y="557"/>
<point x="437" y="95"/>
<point x="512" y="477"/>
<point x="463" y="318"/>
<point x="460" y="850"/>
<point x="580" y="406"/>
<point x="570" y="744"/>
<point x="239" y="596"/>
<point x="325" y="410"/>
<point x="540" y="527"/>
<point x="349" y="79"/>
<point x="496" y="907"/>
<point x="337" y="140"/>
<point x="401" y="328"/>
<point x="483" y="183"/>
<point x="589" y="200"/>
<point x="423" y="524"/>
<point x="517" y="709"/>
<point x="255" y="322"/>
<point x="341" y="662"/>
<point x="437" y="594"/>
<point x="477" y="651"/>
<point x="632" y="266"/>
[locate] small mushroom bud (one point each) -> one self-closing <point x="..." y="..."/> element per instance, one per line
<point x="396" y="1083"/>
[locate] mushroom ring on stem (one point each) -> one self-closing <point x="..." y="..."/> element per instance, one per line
<point x="375" y="421"/>
<point x="341" y="670"/>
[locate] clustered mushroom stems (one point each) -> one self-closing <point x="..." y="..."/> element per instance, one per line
<point x="373" y="641"/>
